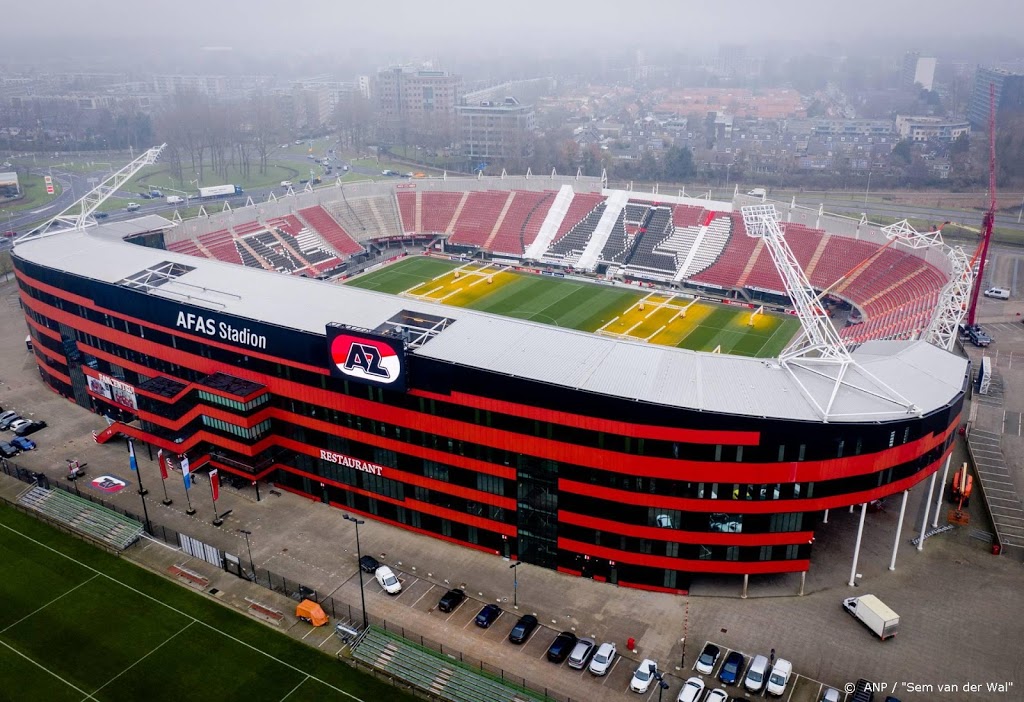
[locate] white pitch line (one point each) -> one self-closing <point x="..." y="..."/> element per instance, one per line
<point x="40" y="609"/>
<point x="47" y="670"/>
<point x="301" y="683"/>
<point x="166" y="641"/>
<point x="178" y="611"/>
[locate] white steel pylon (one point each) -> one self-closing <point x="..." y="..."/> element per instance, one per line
<point x="818" y="338"/>
<point x="818" y="352"/>
<point x="79" y="214"/>
<point x="956" y="293"/>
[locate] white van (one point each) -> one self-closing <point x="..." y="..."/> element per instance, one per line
<point x="387" y="580"/>
<point x="998" y="293"/>
<point x="756" y="674"/>
<point x="779" y="677"/>
<point x="175" y="199"/>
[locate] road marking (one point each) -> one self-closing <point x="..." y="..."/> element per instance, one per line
<point x="422" y="596"/>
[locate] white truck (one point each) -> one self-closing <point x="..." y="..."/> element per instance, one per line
<point x="757" y="192"/>
<point x="874" y="614"/>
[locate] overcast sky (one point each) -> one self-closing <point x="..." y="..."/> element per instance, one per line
<point x="421" y="28"/>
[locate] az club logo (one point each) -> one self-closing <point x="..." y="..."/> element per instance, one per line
<point x="366" y="359"/>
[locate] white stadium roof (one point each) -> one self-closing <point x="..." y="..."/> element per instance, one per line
<point x="923" y="375"/>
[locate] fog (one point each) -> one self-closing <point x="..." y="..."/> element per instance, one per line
<point x="111" y="31"/>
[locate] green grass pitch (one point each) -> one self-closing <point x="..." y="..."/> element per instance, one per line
<point x="77" y="623"/>
<point x="584" y="306"/>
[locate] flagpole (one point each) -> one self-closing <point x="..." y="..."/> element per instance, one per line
<point x="217" y="521"/>
<point x="185" y="479"/>
<point x="163" y="476"/>
<point x="133" y="464"/>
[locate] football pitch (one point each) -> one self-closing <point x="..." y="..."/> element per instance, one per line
<point x="617" y="311"/>
<point x="80" y="624"/>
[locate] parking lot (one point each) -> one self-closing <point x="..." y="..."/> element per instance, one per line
<point x="800" y="688"/>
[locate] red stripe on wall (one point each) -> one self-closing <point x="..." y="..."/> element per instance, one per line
<point x="611" y="426"/>
<point x="609" y="526"/>
<point x="695" y="566"/>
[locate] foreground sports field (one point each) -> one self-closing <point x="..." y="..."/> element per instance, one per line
<point x="77" y="623"/>
<point x="617" y="311"/>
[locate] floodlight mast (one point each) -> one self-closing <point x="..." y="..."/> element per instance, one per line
<point x="79" y="214"/>
<point x="955" y="295"/>
<point x="818" y="338"/>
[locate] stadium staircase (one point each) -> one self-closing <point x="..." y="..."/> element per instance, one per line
<point x="419" y="211"/>
<point x="84" y="517"/>
<point x="822" y="243"/>
<point x="458" y="211"/>
<point x="109" y="433"/>
<point x="758" y="250"/>
<point x="501" y="219"/>
<point x="552" y="223"/>
<point x="438" y="676"/>
<point x="615" y="204"/>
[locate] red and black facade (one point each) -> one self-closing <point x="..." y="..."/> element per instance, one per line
<point x="605" y="487"/>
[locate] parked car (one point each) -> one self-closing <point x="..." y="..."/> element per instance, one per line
<point x="18" y="424"/>
<point x="23" y="443"/>
<point x="386" y="577"/>
<point x="369" y="564"/>
<point x="603" y="659"/>
<point x="7" y="417"/>
<point x="707" y="659"/>
<point x="523" y="628"/>
<point x="30" y="428"/>
<point x="451" y="599"/>
<point x="643" y="676"/>
<point x="757" y="673"/>
<point x="718" y="695"/>
<point x="581" y="653"/>
<point x="693" y="688"/>
<point x="978" y="337"/>
<point x="487" y="616"/>
<point x="730" y="672"/>
<point x="7" y="450"/>
<point x="779" y="677"/>
<point x="562" y="646"/>
<point x="830" y="695"/>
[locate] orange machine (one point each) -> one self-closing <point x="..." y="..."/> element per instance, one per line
<point x="310" y="611"/>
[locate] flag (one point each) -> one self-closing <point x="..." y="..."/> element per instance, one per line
<point x="131" y="456"/>
<point x="163" y="464"/>
<point x="184" y="472"/>
<point x="215" y="484"/>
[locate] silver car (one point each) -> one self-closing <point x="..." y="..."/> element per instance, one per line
<point x="603" y="659"/>
<point x="581" y="654"/>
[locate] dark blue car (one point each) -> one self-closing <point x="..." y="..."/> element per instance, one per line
<point x="732" y="667"/>
<point x="23" y="443"/>
<point x="487" y="615"/>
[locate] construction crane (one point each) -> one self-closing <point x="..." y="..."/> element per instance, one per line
<point x="988" y="222"/>
<point x="79" y="214"/>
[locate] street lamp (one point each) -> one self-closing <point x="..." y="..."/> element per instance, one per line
<point x="359" y="555"/>
<point x="662" y="685"/>
<point x="515" y="583"/>
<point x="252" y="565"/>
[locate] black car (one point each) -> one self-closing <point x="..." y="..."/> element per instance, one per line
<point x="451" y="599"/>
<point x="560" y="648"/>
<point x="369" y="564"/>
<point x="486" y="616"/>
<point x="7" y="450"/>
<point x="730" y="672"/>
<point x="523" y="628"/>
<point x="30" y="428"/>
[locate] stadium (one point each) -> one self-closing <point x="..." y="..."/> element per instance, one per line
<point x="632" y="387"/>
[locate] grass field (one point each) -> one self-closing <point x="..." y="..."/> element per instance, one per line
<point x="78" y="623"/>
<point x="621" y="311"/>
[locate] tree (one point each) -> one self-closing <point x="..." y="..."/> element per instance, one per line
<point x="678" y="163"/>
<point x="903" y="152"/>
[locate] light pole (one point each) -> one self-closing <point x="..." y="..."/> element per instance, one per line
<point x="867" y="189"/>
<point x="662" y="685"/>
<point x="252" y="565"/>
<point x="359" y="555"/>
<point x="515" y="583"/>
